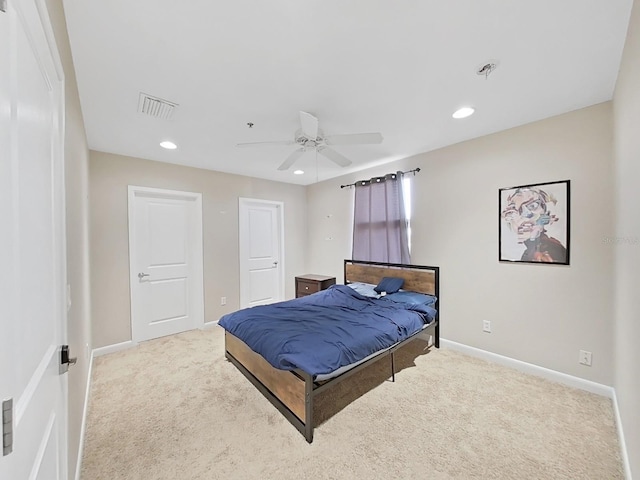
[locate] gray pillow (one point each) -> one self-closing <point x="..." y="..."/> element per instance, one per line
<point x="364" y="289"/>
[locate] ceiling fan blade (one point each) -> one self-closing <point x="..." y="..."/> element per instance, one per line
<point x="295" y="155"/>
<point x="309" y="125"/>
<point x="354" y="139"/>
<point x="334" y="156"/>
<point x="252" y="144"/>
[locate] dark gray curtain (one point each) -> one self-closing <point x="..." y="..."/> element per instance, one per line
<point x="380" y="223"/>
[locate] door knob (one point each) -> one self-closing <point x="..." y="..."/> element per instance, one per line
<point x="142" y="275"/>
<point x="275" y="264"/>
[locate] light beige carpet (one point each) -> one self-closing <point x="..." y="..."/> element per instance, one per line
<point x="174" y="408"/>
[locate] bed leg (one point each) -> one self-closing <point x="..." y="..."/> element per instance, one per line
<point x="393" y="369"/>
<point x="308" y="408"/>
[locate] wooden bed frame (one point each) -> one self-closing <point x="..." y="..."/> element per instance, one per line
<point x="293" y="392"/>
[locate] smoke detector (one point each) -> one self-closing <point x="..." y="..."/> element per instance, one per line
<point x="487" y="68"/>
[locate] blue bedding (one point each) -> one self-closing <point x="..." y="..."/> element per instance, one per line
<point x="322" y="332"/>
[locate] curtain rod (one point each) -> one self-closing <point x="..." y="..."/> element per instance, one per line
<point x="414" y="171"/>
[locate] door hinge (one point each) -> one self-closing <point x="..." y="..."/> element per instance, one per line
<point x="7" y="427"/>
<point x="3" y="5"/>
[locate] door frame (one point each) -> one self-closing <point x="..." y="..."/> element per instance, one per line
<point x="196" y="251"/>
<point x="243" y="203"/>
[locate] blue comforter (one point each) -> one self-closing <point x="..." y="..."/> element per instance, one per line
<point x="322" y="332"/>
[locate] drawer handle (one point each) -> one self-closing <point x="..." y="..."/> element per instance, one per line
<point x="306" y="288"/>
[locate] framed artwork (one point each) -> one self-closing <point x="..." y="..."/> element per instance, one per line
<point x="534" y="223"/>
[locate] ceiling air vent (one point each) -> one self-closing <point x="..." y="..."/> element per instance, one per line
<point x="156" y="107"/>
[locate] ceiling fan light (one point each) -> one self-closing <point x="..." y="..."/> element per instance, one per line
<point x="168" y="145"/>
<point x="298" y="172"/>
<point x="464" y="112"/>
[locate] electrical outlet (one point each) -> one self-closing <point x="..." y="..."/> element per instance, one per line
<point x="223" y="300"/>
<point x="486" y="326"/>
<point x="585" y="358"/>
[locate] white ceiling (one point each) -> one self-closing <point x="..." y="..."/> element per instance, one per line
<point x="396" y="67"/>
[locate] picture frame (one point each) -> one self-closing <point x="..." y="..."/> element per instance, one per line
<point x="534" y="223"/>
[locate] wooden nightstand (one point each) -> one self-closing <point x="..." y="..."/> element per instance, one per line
<point x="308" y="284"/>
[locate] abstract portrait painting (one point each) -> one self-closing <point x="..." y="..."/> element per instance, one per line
<point x="534" y="223"/>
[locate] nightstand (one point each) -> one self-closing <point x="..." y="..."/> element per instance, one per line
<point x="308" y="284"/>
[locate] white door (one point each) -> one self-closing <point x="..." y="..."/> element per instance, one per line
<point x="261" y="252"/>
<point x="32" y="248"/>
<point x="166" y="261"/>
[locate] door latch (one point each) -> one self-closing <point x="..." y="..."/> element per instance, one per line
<point x="65" y="360"/>
<point x="7" y="427"/>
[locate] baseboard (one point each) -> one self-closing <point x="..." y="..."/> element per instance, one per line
<point x="532" y="369"/>
<point x="208" y="325"/>
<point x="623" y="444"/>
<point x="83" y="425"/>
<point x="98" y="352"/>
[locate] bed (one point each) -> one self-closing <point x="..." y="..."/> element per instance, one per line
<point x="270" y="344"/>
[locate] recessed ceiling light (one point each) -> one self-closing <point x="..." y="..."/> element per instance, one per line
<point x="168" y="145"/>
<point x="298" y="172"/>
<point x="464" y="112"/>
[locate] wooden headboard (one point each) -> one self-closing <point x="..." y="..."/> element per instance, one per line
<point x="417" y="278"/>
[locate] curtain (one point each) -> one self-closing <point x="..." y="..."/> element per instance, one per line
<point x="380" y="223"/>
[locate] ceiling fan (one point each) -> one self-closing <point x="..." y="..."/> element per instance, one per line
<point x="309" y="136"/>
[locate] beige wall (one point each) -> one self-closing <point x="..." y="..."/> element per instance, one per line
<point x="540" y="314"/>
<point x="77" y="231"/>
<point x="109" y="177"/>
<point x="627" y="249"/>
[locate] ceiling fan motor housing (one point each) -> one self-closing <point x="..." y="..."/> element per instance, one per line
<point x="304" y="141"/>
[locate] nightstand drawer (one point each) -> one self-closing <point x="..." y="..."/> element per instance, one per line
<point x="305" y="288"/>
<point x="308" y="284"/>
